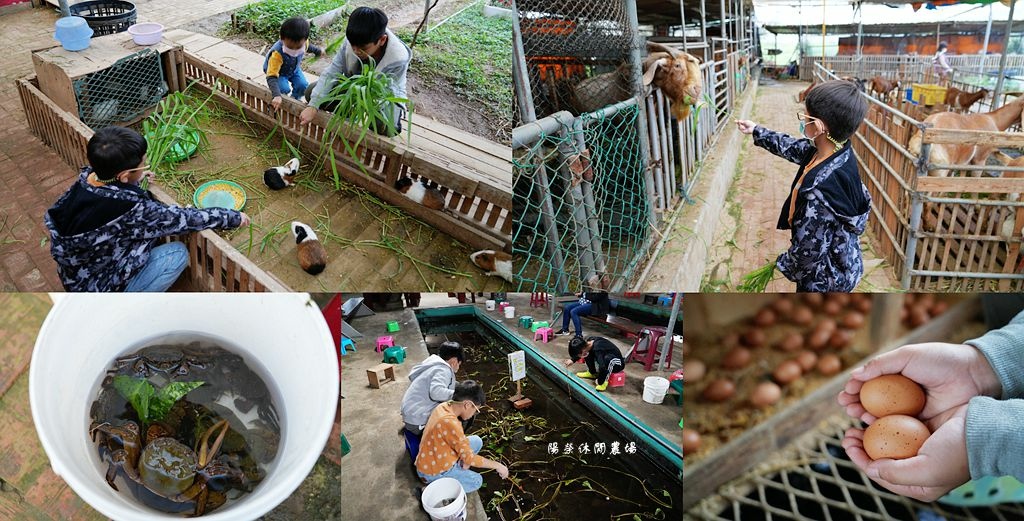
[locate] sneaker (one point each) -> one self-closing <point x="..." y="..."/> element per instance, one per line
<point x="586" y="374"/>
<point x="563" y="332"/>
<point x="602" y="387"/>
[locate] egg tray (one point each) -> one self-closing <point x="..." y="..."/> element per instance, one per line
<point x="813" y="479"/>
<point x="736" y="436"/>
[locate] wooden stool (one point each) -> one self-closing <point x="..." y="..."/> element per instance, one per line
<point x="380" y="374"/>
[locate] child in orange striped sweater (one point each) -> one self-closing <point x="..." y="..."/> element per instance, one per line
<point x="446" y="451"/>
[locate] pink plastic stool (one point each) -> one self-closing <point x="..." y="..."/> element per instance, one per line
<point x="384" y="342"/>
<point x="617" y="379"/>
<point x="503" y="305"/>
<point x="544" y="333"/>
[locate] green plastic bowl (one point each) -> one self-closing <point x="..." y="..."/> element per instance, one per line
<point x="182" y="149"/>
<point x="220" y="194"/>
<point x="986" y="491"/>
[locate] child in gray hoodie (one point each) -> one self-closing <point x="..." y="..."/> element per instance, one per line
<point x="974" y="408"/>
<point x="433" y="383"/>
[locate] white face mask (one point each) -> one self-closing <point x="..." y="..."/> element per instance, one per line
<point x="294" y="53"/>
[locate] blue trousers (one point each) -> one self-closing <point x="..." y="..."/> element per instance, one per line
<point x="295" y="84"/>
<point x="574" y="310"/>
<point x="166" y="262"/>
<point x="470" y="480"/>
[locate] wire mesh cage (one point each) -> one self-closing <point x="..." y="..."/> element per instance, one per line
<point x="815" y="480"/>
<point x="106" y="16"/>
<point x="122" y="91"/>
<point x="577" y="53"/>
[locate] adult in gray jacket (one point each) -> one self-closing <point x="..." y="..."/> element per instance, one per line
<point x="973" y="409"/>
<point x="366" y="36"/>
<point x="433" y="383"/>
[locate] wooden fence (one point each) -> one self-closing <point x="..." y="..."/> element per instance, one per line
<point x="915" y="68"/>
<point x="960" y="232"/>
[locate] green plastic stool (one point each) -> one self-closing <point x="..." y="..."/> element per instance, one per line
<point x="393" y="327"/>
<point x="986" y="491"/>
<point x="394" y="355"/>
<point x="525" y="321"/>
<point x="345" y="447"/>
<point x="680" y="423"/>
<point x="537" y="325"/>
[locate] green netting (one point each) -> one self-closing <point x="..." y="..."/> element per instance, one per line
<point x="121" y="92"/>
<point x="581" y="220"/>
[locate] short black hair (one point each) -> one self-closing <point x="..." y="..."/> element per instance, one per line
<point x="942" y="45"/>
<point x="366" y="25"/>
<point x="112" y="150"/>
<point x="469" y="390"/>
<point x="840" y="104"/>
<point x="576" y="346"/>
<point x="295" y="29"/>
<point x="451" y="350"/>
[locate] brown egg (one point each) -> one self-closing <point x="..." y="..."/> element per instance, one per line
<point x="806" y="359"/>
<point x="753" y="338"/>
<point x="765" y="394"/>
<point x="925" y="300"/>
<point x="814" y="299"/>
<point x="730" y="341"/>
<point x="853" y="320"/>
<point x="787" y="372"/>
<point x="686" y="348"/>
<point x="862" y="304"/>
<point x="694" y="371"/>
<point x="818" y="339"/>
<point x="790" y="343"/>
<point x="844" y="299"/>
<point x="691" y="441"/>
<point x="736" y="358"/>
<point x="938" y="308"/>
<point x="802" y="316"/>
<point x="783" y="306"/>
<point x="840" y="339"/>
<point x="719" y="390"/>
<point x="826" y="324"/>
<point x="765" y="317"/>
<point x="905" y="315"/>
<point x="892" y="394"/>
<point x="909" y="298"/>
<point x="897" y="436"/>
<point x="918" y="316"/>
<point x="832" y="307"/>
<point x="829" y="364"/>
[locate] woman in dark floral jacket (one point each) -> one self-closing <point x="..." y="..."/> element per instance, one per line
<point x="828" y="206"/>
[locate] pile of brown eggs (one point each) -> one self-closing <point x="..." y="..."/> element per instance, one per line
<point x="919" y="309"/>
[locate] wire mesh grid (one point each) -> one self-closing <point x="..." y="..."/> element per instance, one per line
<point x="580" y="195"/>
<point x="577" y="53"/>
<point x="815" y="480"/>
<point x="122" y="91"/>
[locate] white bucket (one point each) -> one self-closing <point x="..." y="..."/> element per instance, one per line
<point x="510" y="312"/>
<point x="439" y="491"/>
<point x="655" y="388"/>
<point x="490" y="305"/>
<point x="84" y="333"/>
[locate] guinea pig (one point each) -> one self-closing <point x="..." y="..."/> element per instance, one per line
<point x="279" y="177"/>
<point x="421" y="192"/>
<point x="312" y="255"/>
<point x="495" y="263"/>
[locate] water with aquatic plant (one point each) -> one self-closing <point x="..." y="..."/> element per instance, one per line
<point x="185" y="425"/>
<point x="589" y="482"/>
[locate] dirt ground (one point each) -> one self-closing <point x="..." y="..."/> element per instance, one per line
<point x="431" y="96"/>
<point x="746" y="238"/>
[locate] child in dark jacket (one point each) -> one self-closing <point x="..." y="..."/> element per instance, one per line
<point x="284" y="60"/>
<point x="601" y="356"/>
<point x="104" y="228"/>
<point x="828" y="206"/>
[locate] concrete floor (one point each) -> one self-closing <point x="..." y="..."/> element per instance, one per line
<point x="372" y="422"/>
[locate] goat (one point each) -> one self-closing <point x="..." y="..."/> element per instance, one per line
<point x="859" y="82"/>
<point x="957" y="99"/>
<point x="676" y="73"/>
<point x="803" y="94"/>
<point x="883" y="87"/>
<point x="1010" y="226"/>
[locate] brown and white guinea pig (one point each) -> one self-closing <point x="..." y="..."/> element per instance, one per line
<point x="495" y="263"/>
<point x="279" y="177"/>
<point x="421" y="192"/>
<point x="312" y="255"/>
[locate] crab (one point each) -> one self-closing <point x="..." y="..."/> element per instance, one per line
<point x="166" y="360"/>
<point x="167" y="468"/>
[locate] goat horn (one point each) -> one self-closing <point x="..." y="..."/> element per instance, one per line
<point x="664" y="48"/>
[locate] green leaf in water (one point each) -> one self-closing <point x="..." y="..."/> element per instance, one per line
<point x="529" y="438"/>
<point x="566" y="434"/>
<point x="636" y="517"/>
<point x="166" y="397"/>
<point x="586" y="484"/>
<point x="665" y="493"/>
<point x="138" y="392"/>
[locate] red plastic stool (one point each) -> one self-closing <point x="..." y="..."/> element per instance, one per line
<point x="646" y="348"/>
<point x="538" y="300"/>
<point x="617" y="379"/>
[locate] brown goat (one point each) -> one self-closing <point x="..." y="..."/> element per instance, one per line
<point x="677" y="74"/>
<point x="803" y="94"/>
<point x="960" y="100"/>
<point x="1010" y="226"/>
<point x="883" y="87"/>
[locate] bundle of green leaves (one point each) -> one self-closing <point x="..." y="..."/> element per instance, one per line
<point x="150" y="403"/>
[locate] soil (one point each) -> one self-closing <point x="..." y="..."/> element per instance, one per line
<point x="610" y="484"/>
<point x="432" y="97"/>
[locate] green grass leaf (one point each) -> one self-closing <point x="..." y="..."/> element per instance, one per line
<point x="138" y="392"/>
<point x="167" y="396"/>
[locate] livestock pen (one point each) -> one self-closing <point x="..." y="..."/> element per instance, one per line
<point x="601" y="163"/>
<point x="943" y="227"/>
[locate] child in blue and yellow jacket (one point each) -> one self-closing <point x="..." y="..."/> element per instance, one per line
<point x="282" y="64"/>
